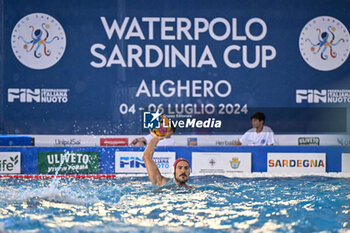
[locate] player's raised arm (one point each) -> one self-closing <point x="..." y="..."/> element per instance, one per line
<point x="152" y="169"/>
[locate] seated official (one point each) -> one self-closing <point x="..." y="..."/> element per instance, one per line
<point x="259" y="135"/>
<point x="167" y="141"/>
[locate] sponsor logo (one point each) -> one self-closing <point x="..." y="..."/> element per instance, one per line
<point x="114" y="142"/>
<point x="324" y="43"/>
<point x="136" y="162"/>
<point x="132" y="162"/>
<point x="72" y="162"/>
<point x="296" y="163"/>
<point x="69" y="142"/>
<point x="343" y="142"/>
<point x="192" y="141"/>
<point x="25" y="95"/>
<point x="10" y="162"/>
<point x="38" y="41"/>
<point x="309" y="141"/>
<point x="220" y="162"/>
<point x="312" y="96"/>
<point x="235" y="163"/>
<point x="226" y="143"/>
<point x="212" y="162"/>
<point x="162" y="162"/>
<point x="323" y="96"/>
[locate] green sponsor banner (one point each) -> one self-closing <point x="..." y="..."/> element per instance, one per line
<point x="72" y="162"/>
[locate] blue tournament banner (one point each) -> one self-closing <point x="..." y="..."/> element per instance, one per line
<point x="94" y="67"/>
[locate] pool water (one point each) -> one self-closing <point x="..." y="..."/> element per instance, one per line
<point x="132" y="204"/>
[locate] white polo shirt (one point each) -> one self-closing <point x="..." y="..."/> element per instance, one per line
<point x="252" y="138"/>
<point x="163" y="142"/>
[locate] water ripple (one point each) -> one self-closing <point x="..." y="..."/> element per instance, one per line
<point x="304" y="204"/>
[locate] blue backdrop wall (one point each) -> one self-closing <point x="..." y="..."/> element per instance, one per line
<point x="93" y="67"/>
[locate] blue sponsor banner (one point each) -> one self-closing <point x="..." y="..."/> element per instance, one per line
<point x="94" y="67"/>
<point x="107" y="156"/>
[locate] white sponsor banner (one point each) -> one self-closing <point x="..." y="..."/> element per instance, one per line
<point x="345" y="162"/>
<point x="206" y="140"/>
<point x="310" y="139"/>
<point x="66" y="140"/>
<point x="221" y="162"/>
<point x="202" y="140"/>
<point x="280" y="139"/>
<point x="296" y="162"/>
<point x="10" y="162"/>
<point x="132" y="162"/>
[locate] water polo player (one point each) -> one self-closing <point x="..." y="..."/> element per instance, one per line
<point x="181" y="166"/>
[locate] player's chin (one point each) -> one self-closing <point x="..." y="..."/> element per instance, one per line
<point x="183" y="178"/>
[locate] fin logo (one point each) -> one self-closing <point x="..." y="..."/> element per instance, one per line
<point x="311" y="96"/>
<point x="25" y="95"/>
<point x="324" y="43"/>
<point x="132" y="162"/>
<point x="38" y="41"/>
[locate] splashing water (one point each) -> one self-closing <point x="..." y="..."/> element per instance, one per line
<point x="132" y="204"/>
<point x="55" y="180"/>
<point x="53" y="192"/>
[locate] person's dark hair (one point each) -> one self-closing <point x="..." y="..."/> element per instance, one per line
<point x="173" y="128"/>
<point x="258" y="115"/>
